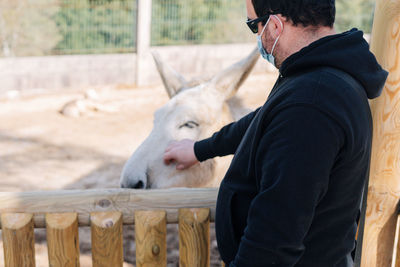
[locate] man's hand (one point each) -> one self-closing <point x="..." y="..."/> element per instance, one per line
<point x="181" y="153"/>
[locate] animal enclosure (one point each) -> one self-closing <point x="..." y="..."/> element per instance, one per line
<point x="59" y="158"/>
<point x="63" y="153"/>
<point x="106" y="211"/>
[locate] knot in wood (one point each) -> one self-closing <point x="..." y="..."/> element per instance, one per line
<point x="104" y="203"/>
<point x="156" y="250"/>
<point x="108" y="223"/>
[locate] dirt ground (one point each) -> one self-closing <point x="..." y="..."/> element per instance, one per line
<point x="40" y="149"/>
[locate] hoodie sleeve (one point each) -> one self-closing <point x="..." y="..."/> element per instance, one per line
<point x="224" y="142"/>
<point x="294" y="160"/>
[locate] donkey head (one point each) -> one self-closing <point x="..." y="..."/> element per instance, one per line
<point x="195" y="111"/>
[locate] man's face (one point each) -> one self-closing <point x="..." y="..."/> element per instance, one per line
<point x="273" y="30"/>
<point x="251" y="14"/>
<point x="266" y="38"/>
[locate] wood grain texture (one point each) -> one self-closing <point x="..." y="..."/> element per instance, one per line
<point x="194" y="237"/>
<point x="127" y="201"/>
<point x="107" y="247"/>
<point x="62" y="239"/>
<point x="151" y="238"/>
<point x="18" y="239"/>
<point x="384" y="185"/>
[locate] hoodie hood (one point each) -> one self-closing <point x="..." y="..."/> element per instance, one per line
<point x="348" y="52"/>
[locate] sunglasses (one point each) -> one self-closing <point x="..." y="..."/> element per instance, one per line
<point x="253" y="24"/>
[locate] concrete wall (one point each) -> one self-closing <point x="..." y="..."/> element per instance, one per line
<point x="38" y="74"/>
<point x="32" y="74"/>
<point x="59" y="72"/>
<point x="203" y="60"/>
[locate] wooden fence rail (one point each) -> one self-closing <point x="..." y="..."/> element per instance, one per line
<point x="83" y="202"/>
<point x="105" y="211"/>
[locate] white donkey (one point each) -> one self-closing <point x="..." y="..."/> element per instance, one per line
<point x="195" y="111"/>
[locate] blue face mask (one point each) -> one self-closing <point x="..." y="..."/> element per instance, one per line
<point x="269" y="57"/>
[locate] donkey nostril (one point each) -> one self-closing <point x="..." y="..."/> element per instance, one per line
<point x="139" y="185"/>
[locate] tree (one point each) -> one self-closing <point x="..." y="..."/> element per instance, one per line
<point x="354" y="13"/>
<point x="90" y="26"/>
<point x="198" y="21"/>
<point x="228" y="25"/>
<point x="222" y="21"/>
<point x="41" y="27"/>
<point x="27" y="28"/>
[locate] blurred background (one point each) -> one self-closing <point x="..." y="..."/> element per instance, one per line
<point x="114" y="37"/>
<point x="68" y="27"/>
<point x="119" y="34"/>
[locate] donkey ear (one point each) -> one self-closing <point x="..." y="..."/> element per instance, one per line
<point x="229" y="80"/>
<point x="173" y="81"/>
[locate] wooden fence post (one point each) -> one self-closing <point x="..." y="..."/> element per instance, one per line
<point x="194" y="237"/>
<point x="19" y="240"/>
<point x="107" y="247"/>
<point x="62" y="239"/>
<point x="151" y="238"/>
<point x="384" y="185"/>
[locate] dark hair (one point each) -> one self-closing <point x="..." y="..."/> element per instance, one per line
<point x="305" y="12"/>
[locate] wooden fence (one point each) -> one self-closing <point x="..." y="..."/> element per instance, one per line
<point x="105" y="211"/>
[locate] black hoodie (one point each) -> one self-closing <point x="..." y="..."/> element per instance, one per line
<point x="292" y="194"/>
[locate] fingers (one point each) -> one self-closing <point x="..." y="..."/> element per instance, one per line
<point x="180" y="167"/>
<point x="179" y="152"/>
<point x="171" y="145"/>
<point x="168" y="158"/>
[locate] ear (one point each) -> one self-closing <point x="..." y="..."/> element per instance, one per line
<point x="229" y="81"/>
<point x="278" y="25"/>
<point x="173" y="81"/>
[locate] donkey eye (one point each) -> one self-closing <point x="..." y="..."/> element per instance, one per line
<point x="189" y="124"/>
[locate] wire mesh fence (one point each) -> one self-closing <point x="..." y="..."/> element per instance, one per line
<point x="48" y="27"/>
<point x="54" y="27"/>
<point x="222" y="21"/>
<point x="27" y="28"/>
<point x="100" y="26"/>
<point x="199" y="21"/>
<point x="354" y="13"/>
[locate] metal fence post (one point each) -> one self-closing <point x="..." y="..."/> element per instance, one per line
<point x="143" y="40"/>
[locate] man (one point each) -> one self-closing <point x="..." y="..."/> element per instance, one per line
<point x="292" y="194"/>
